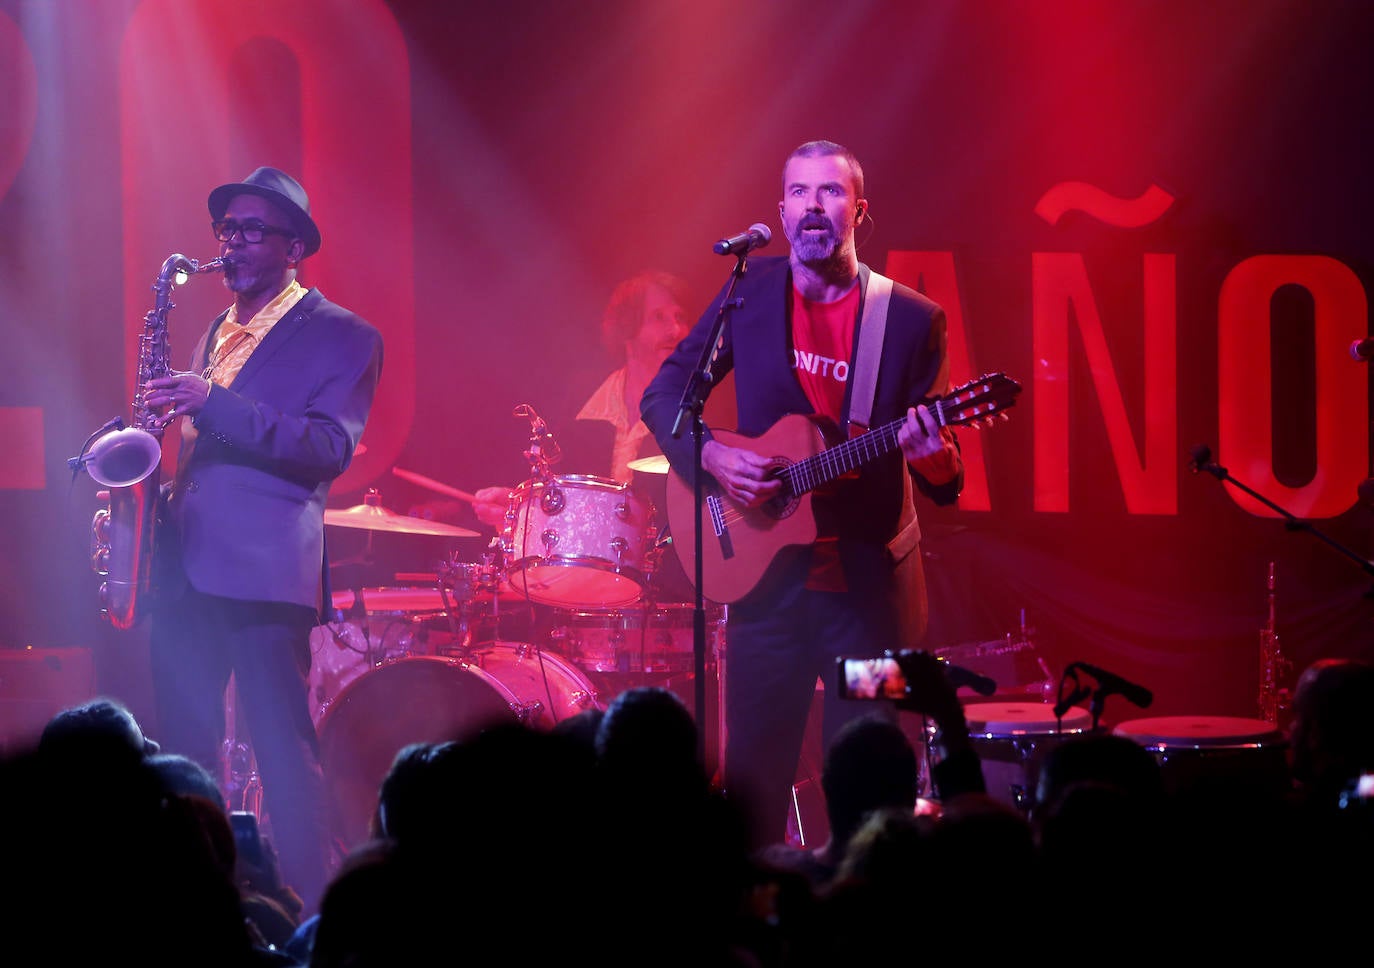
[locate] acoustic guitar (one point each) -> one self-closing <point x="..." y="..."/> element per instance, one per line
<point x="740" y="543"/>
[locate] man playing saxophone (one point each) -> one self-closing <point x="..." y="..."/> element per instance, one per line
<point x="277" y="395"/>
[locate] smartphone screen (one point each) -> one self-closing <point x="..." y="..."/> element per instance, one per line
<point x="246" y="836"/>
<point x="871" y="678"/>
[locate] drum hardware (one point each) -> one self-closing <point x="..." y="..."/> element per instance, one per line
<point x="552" y="501"/>
<point x="478" y="588"/>
<point x="1013" y="661"/>
<point x="647" y="639"/>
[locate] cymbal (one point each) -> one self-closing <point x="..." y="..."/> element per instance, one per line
<point x="373" y="517"/>
<point x="657" y="464"/>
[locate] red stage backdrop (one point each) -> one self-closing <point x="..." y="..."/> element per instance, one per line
<point x="1155" y="215"/>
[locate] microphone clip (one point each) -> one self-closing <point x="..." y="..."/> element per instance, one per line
<point x="1076" y="695"/>
<point x="543" y="450"/>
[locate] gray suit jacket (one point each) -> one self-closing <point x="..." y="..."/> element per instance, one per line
<point x="244" y="517"/>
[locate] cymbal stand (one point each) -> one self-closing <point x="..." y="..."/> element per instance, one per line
<point x="242" y="784"/>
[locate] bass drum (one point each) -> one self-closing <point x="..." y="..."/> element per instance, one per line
<point x="434" y="699"/>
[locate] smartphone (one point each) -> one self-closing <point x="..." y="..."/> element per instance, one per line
<point x="247" y="838"/>
<point x="871" y="677"/>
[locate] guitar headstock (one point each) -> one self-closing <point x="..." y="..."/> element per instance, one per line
<point x="978" y="403"/>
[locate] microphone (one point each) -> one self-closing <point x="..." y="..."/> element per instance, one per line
<point x="1362" y="350"/>
<point x="755" y="237"/>
<point x="1202" y="461"/>
<point x="959" y="676"/>
<point x="544" y="450"/>
<point x="1110" y="684"/>
<point x="79" y="462"/>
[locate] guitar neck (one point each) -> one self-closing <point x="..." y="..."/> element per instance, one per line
<point x="973" y="402"/>
<point x="810" y="473"/>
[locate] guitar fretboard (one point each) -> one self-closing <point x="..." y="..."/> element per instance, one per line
<point x="818" y="469"/>
<point x="976" y="400"/>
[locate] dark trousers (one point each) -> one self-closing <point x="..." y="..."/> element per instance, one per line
<point x="777" y="644"/>
<point x="196" y="642"/>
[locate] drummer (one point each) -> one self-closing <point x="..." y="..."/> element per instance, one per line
<point x="644" y="320"/>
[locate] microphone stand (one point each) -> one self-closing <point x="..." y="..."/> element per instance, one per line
<point x="1202" y="461"/>
<point x="693" y="400"/>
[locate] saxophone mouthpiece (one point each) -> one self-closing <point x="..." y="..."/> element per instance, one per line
<point x="214" y="265"/>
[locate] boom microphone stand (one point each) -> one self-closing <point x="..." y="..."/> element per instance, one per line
<point x="693" y="400"/>
<point x="1202" y="461"/>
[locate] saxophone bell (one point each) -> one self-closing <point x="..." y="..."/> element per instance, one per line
<point x="123" y="457"/>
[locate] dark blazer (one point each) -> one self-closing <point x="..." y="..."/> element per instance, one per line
<point x="245" y="515"/>
<point x="875" y="514"/>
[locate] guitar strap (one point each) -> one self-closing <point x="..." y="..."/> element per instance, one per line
<point x="872" y="327"/>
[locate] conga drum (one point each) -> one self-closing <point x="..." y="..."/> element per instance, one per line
<point x="1221" y="754"/>
<point x="1012" y="739"/>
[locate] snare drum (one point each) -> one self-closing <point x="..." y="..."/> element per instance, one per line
<point x="1012" y="739"/>
<point x="1199" y="754"/>
<point x="657" y="639"/>
<point x="434" y="699"/>
<point x="579" y="541"/>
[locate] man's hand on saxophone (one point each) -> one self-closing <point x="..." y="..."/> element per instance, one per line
<point x="182" y="393"/>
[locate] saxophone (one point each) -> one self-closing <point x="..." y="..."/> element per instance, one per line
<point x="128" y="460"/>
<point x="1274" y="668"/>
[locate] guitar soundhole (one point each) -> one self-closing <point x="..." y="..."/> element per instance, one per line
<point x="785" y="502"/>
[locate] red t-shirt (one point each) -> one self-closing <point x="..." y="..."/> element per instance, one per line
<point x="822" y="346"/>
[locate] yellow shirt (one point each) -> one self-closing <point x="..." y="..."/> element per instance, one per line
<point x="608" y="403"/>
<point x="234" y="343"/>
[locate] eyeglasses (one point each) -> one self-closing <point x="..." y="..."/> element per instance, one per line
<point x="252" y="230"/>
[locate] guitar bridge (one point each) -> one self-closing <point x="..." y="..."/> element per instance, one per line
<point x="717" y="515"/>
<point x="715" y="509"/>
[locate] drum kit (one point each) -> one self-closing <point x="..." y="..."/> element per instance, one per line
<point x="573" y="568"/>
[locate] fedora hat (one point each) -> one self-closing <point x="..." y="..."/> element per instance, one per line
<point x="281" y="190"/>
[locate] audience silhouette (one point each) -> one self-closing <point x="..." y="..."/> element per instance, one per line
<point x="108" y="863"/>
<point x="605" y="837"/>
<point x="272" y="907"/>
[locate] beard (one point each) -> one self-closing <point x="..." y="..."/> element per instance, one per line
<point x="815" y="247"/>
<point x="238" y="277"/>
